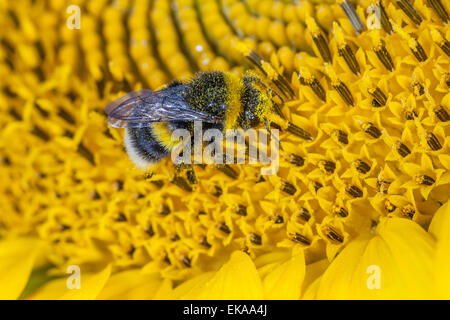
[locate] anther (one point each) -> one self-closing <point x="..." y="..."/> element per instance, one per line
<point x="278" y="219"/>
<point x="322" y="46"/>
<point x="86" y="153"/>
<point x="40" y="133"/>
<point x="315" y="85"/>
<point x="408" y="211"/>
<point x="347" y="53"/>
<point x="204" y="242"/>
<point x="383" y="186"/>
<point x="440" y="10"/>
<point x="228" y="170"/>
<point x="441" y="114"/>
<point x="384" y="19"/>
<point x="174" y="238"/>
<point x="224" y="228"/>
<point x="288" y="188"/>
<point x="255" y="239"/>
<point x="371" y="130"/>
<point x="424" y="180"/>
<point x="354" y="191"/>
<point x="217" y="191"/>
<point x="340" y="136"/>
<point x="433" y="142"/>
<point x="327" y="166"/>
<point x="120" y="217"/>
<point x="304" y="214"/>
<point x="384" y="56"/>
<point x="241" y="210"/>
<point x="149" y="230"/>
<point x="297" y="237"/>
<point x="317" y="185"/>
<point x="164" y="210"/>
<point x="419" y="52"/>
<point x="296" y="160"/>
<point x="402" y="149"/>
<point x="332" y="234"/>
<point x="299" y="132"/>
<point x="131" y="250"/>
<point x="410" y="11"/>
<point x="418" y="89"/>
<point x="186" y="261"/>
<point x="340" y="211"/>
<point x="352" y="15"/>
<point x="345" y="93"/>
<point x="379" y="96"/>
<point x="361" y="166"/>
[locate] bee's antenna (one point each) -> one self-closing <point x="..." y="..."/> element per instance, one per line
<point x="270" y="131"/>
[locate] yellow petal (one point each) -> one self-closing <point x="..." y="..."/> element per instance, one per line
<point x="17" y="258"/>
<point x="190" y="287"/>
<point x="394" y="263"/>
<point x="437" y="228"/>
<point x="130" y="284"/>
<point x="164" y="290"/>
<point x="91" y="284"/>
<point x="285" y="281"/>
<point x="441" y="230"/>
<point x="238" y="279"/>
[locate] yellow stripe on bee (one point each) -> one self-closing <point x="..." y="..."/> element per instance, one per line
<point x="162" y="133"/>
<point x="234" y="106"/>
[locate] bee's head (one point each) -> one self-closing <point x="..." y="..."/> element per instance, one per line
<point x="256" y="104"/>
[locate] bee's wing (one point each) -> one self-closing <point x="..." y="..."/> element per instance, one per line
<point x="140" y="108"/>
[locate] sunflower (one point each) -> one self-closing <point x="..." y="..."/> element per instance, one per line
<point x="359" y="212"/>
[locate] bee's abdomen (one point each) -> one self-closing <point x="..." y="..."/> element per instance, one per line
<point x="143" y="148"/>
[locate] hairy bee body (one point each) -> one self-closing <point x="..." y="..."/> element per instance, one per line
<point x="220" y="100"/>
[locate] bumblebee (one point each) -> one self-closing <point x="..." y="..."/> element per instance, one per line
<point x="221" y="100"/>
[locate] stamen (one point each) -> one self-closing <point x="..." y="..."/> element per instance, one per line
<point x="304" y="214"/>
<point x="217" y="191"/>
<point x="229" y="171"/>
<point x="256" y="239"/>
<point x="278" y="219"/>
<point x="371" y="130"/>
<point x="418" y="89"/>
<point x="345" y="93"/>
<point x="408" y="211"/>
<point x="389" y="206"/>
<point x="120" y="217"/>
<point x="224" y="228"/>
<point x="424" y="180"/>
<point x="186" y="261"/>
<point x="317" y="185"/>
<point x="433" y="142"/>
<point x="443" y="43"/>
<point x="297" y="237"/>
<point x="149" y="230"/>
<point x="340" y="136"/>
<point x="354" y="191"/>
<point x="315" y="85"/>
<point x="131" y="250"/>
<point x="241" y="210"/>
<point x="319" y="40"/>
<point x="340" y="211"/>
<point x="181" y="183"/>
<point x="352" y="15"/>
<point x="164" y="210"/>
<point x="383" y="186"/>
<point x="384" y="56"/>
<point x="204" y="242"/>
<point x="441" y="114"/>
<point x="409" y="115"/>
<point x="40" y="133"/>
<point x="332" y="234"/>
<point x="440" y="10"/>
<point x="347" y="53"/>
<point x="410" y="11"/>
<point x="384" y="19"/>
<point x="86" y="153"/>
<point x="288" y="188"/>
<point x="327" y="166"/>
<point x="299" y="132"/>
<point x="296" y="160"/>
<point x="402" y="149"/>
<point x="174" y="238"/>
<point x="447" y="79"/>
<point x="379" y="96"/>
<point x="418" y="51"/>
<point x="361" y="166"/>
